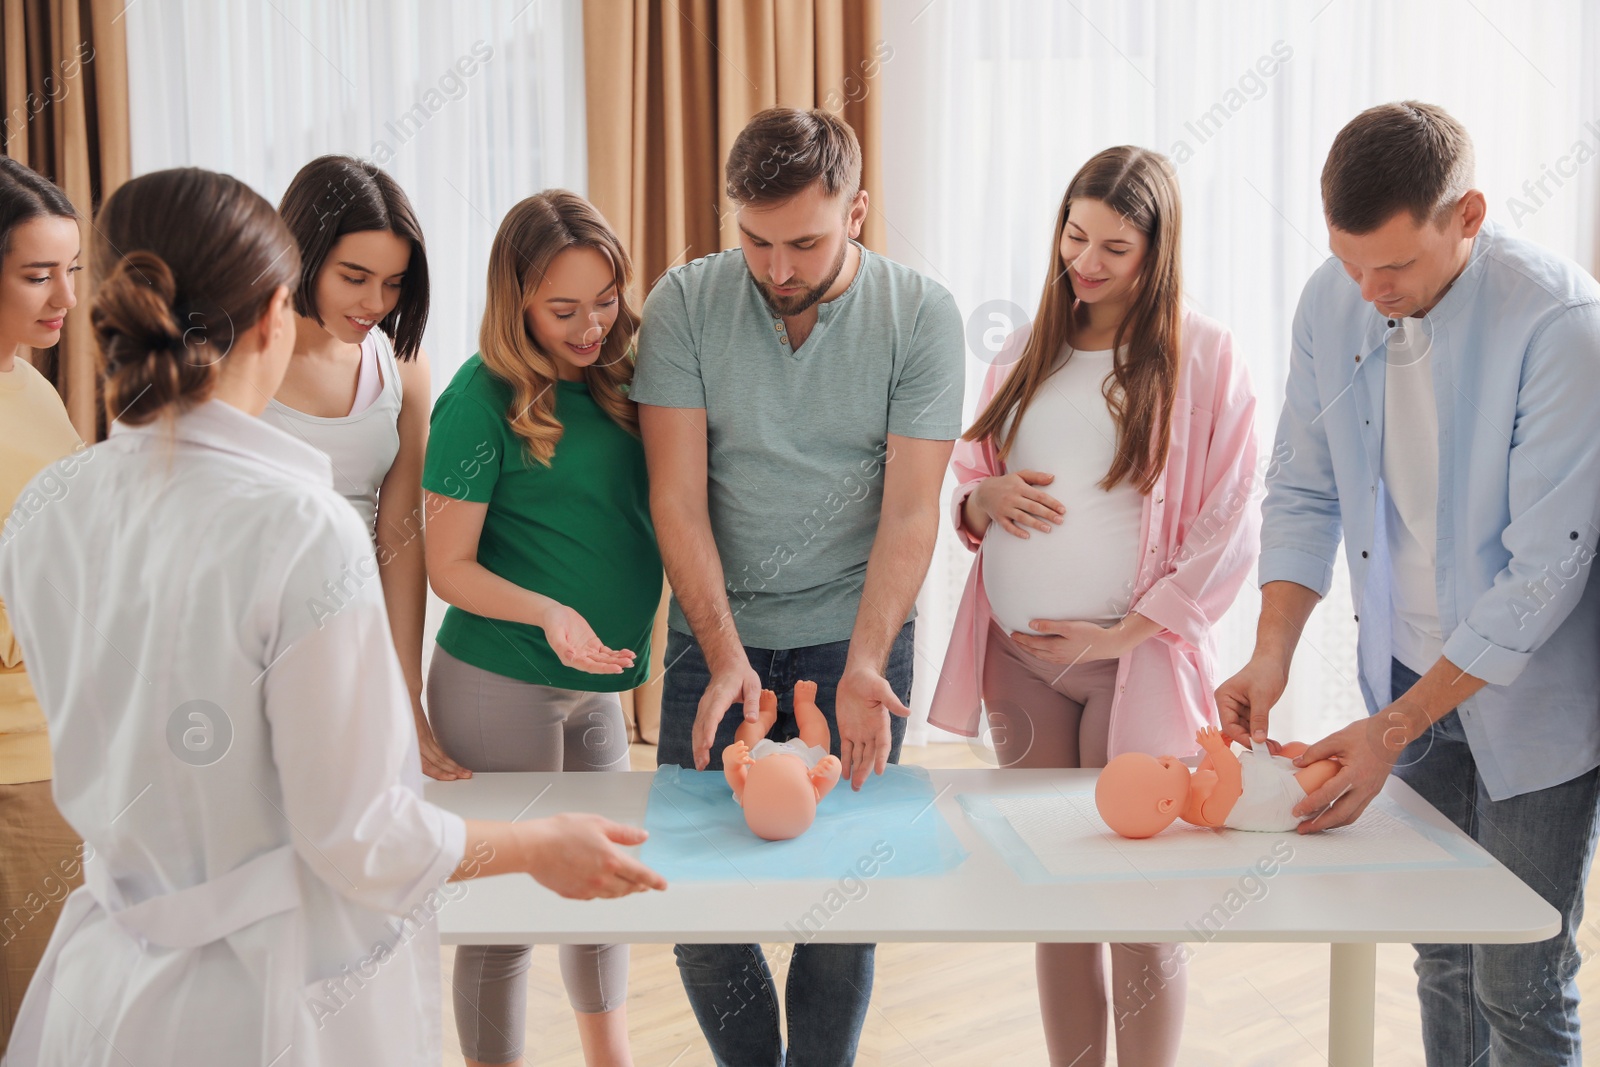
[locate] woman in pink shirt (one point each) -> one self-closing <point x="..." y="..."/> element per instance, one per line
<point x="1107" y="488"/>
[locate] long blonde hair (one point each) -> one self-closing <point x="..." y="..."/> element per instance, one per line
<point x="1141" y="186"/>
<point x="533" y="233"/>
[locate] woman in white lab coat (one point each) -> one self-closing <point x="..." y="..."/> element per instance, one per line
<point x="205" y="628"/>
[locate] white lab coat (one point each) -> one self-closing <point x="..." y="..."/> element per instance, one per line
<point x="261" y="898"/>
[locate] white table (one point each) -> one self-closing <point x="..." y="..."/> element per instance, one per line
<point x="982" y="900"/>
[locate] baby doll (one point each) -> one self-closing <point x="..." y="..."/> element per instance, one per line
<point x="780" y="785"/>
<point x="1257" y="789"/>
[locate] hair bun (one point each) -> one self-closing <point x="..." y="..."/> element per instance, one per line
<point x="133" y="313"/>
<point x="148" y="366"/>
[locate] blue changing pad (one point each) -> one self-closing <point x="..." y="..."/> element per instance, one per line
<point x="698" y="832"/>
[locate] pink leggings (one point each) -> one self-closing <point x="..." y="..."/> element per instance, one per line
<point x="1044" y="715"/>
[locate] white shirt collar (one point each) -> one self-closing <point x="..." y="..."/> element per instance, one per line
<point x="224" y="428"/>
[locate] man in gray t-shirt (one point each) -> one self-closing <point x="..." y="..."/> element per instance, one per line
<point x="799" y="397"/>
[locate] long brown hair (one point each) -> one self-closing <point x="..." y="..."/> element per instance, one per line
<point x="185" y="261"/>
<point x="531" y="236"/>
<point x="1142" y="187"/>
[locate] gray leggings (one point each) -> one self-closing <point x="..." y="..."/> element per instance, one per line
<point x="488" y="722"/>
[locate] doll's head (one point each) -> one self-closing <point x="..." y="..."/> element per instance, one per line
<point x="1139" y="795"/>
<point x="780" y="801"/>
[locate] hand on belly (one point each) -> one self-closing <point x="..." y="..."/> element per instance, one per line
<point x="1067" y="641"/>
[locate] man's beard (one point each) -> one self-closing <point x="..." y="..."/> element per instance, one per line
<point x="788" y="307"/>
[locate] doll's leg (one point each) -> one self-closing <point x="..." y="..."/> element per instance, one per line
<point x="751" y="732"/>
<point x="1314" y="776"/>
<point x="809" y="718"/>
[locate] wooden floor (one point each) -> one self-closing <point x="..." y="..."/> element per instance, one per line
<point x="964" y="1005"/>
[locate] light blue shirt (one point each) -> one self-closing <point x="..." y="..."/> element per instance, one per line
<point x="1516" y="373"/>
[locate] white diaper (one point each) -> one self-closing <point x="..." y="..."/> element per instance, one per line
<point x="811" y="754"/>
<point x="1270" y="793"/>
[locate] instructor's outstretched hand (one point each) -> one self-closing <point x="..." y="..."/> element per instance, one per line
<point x="576" y="855"/>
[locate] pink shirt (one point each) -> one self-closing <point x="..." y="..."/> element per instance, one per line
<point x="1199" y="536"/>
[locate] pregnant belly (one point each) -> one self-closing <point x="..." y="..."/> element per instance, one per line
<point x="1082" y="570"/>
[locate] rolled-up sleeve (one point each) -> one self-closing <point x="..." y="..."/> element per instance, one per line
<point x="1300" y="521"/>
<point x="1554" y="499"/>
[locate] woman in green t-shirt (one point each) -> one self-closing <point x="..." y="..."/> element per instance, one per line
<point x="539" y="537"/>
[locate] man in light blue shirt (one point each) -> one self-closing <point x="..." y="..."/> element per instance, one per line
<point x="1440" y="415"/>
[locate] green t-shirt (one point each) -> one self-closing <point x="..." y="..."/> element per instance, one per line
<point x="577" y="531"/>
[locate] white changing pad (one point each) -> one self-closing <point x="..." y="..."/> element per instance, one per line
<point x="1060" y="837"/>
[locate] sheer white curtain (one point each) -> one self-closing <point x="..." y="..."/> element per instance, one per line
<point x="989" y="109"/>
<point x="471" y="107"/>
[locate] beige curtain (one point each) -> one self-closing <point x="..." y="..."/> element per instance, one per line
<point x="64" y="77"/>
<point x="669" y="84"/>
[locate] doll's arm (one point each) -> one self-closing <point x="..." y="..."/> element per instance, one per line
<point x="766" y="714"/>
<point x="1202" y="783"/>
<point x="736" y="766"/>
<point x="825" y="775"/>
<point x="1215" y="803"/>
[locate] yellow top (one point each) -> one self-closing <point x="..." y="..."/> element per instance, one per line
<point x="34" y="433"/>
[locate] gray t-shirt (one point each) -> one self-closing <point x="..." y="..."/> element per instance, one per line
<point x="798" y="439"/>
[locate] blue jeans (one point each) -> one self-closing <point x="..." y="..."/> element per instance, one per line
<point x="731" y="987"/>
<point x="1504" y="1005"/>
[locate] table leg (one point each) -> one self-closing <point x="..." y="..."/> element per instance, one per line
<point x="1352" y="996"/>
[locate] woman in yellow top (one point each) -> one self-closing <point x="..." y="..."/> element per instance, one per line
<point x="40" y="859"/>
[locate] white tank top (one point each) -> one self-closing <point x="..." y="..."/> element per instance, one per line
<point x="362" y="445"/>
<point x="1085" y="568"/>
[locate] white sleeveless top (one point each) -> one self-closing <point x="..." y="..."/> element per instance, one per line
<point x="1085" y="568"/>
<point x="362" y="445"/>
<point x="1270" y="793"/>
